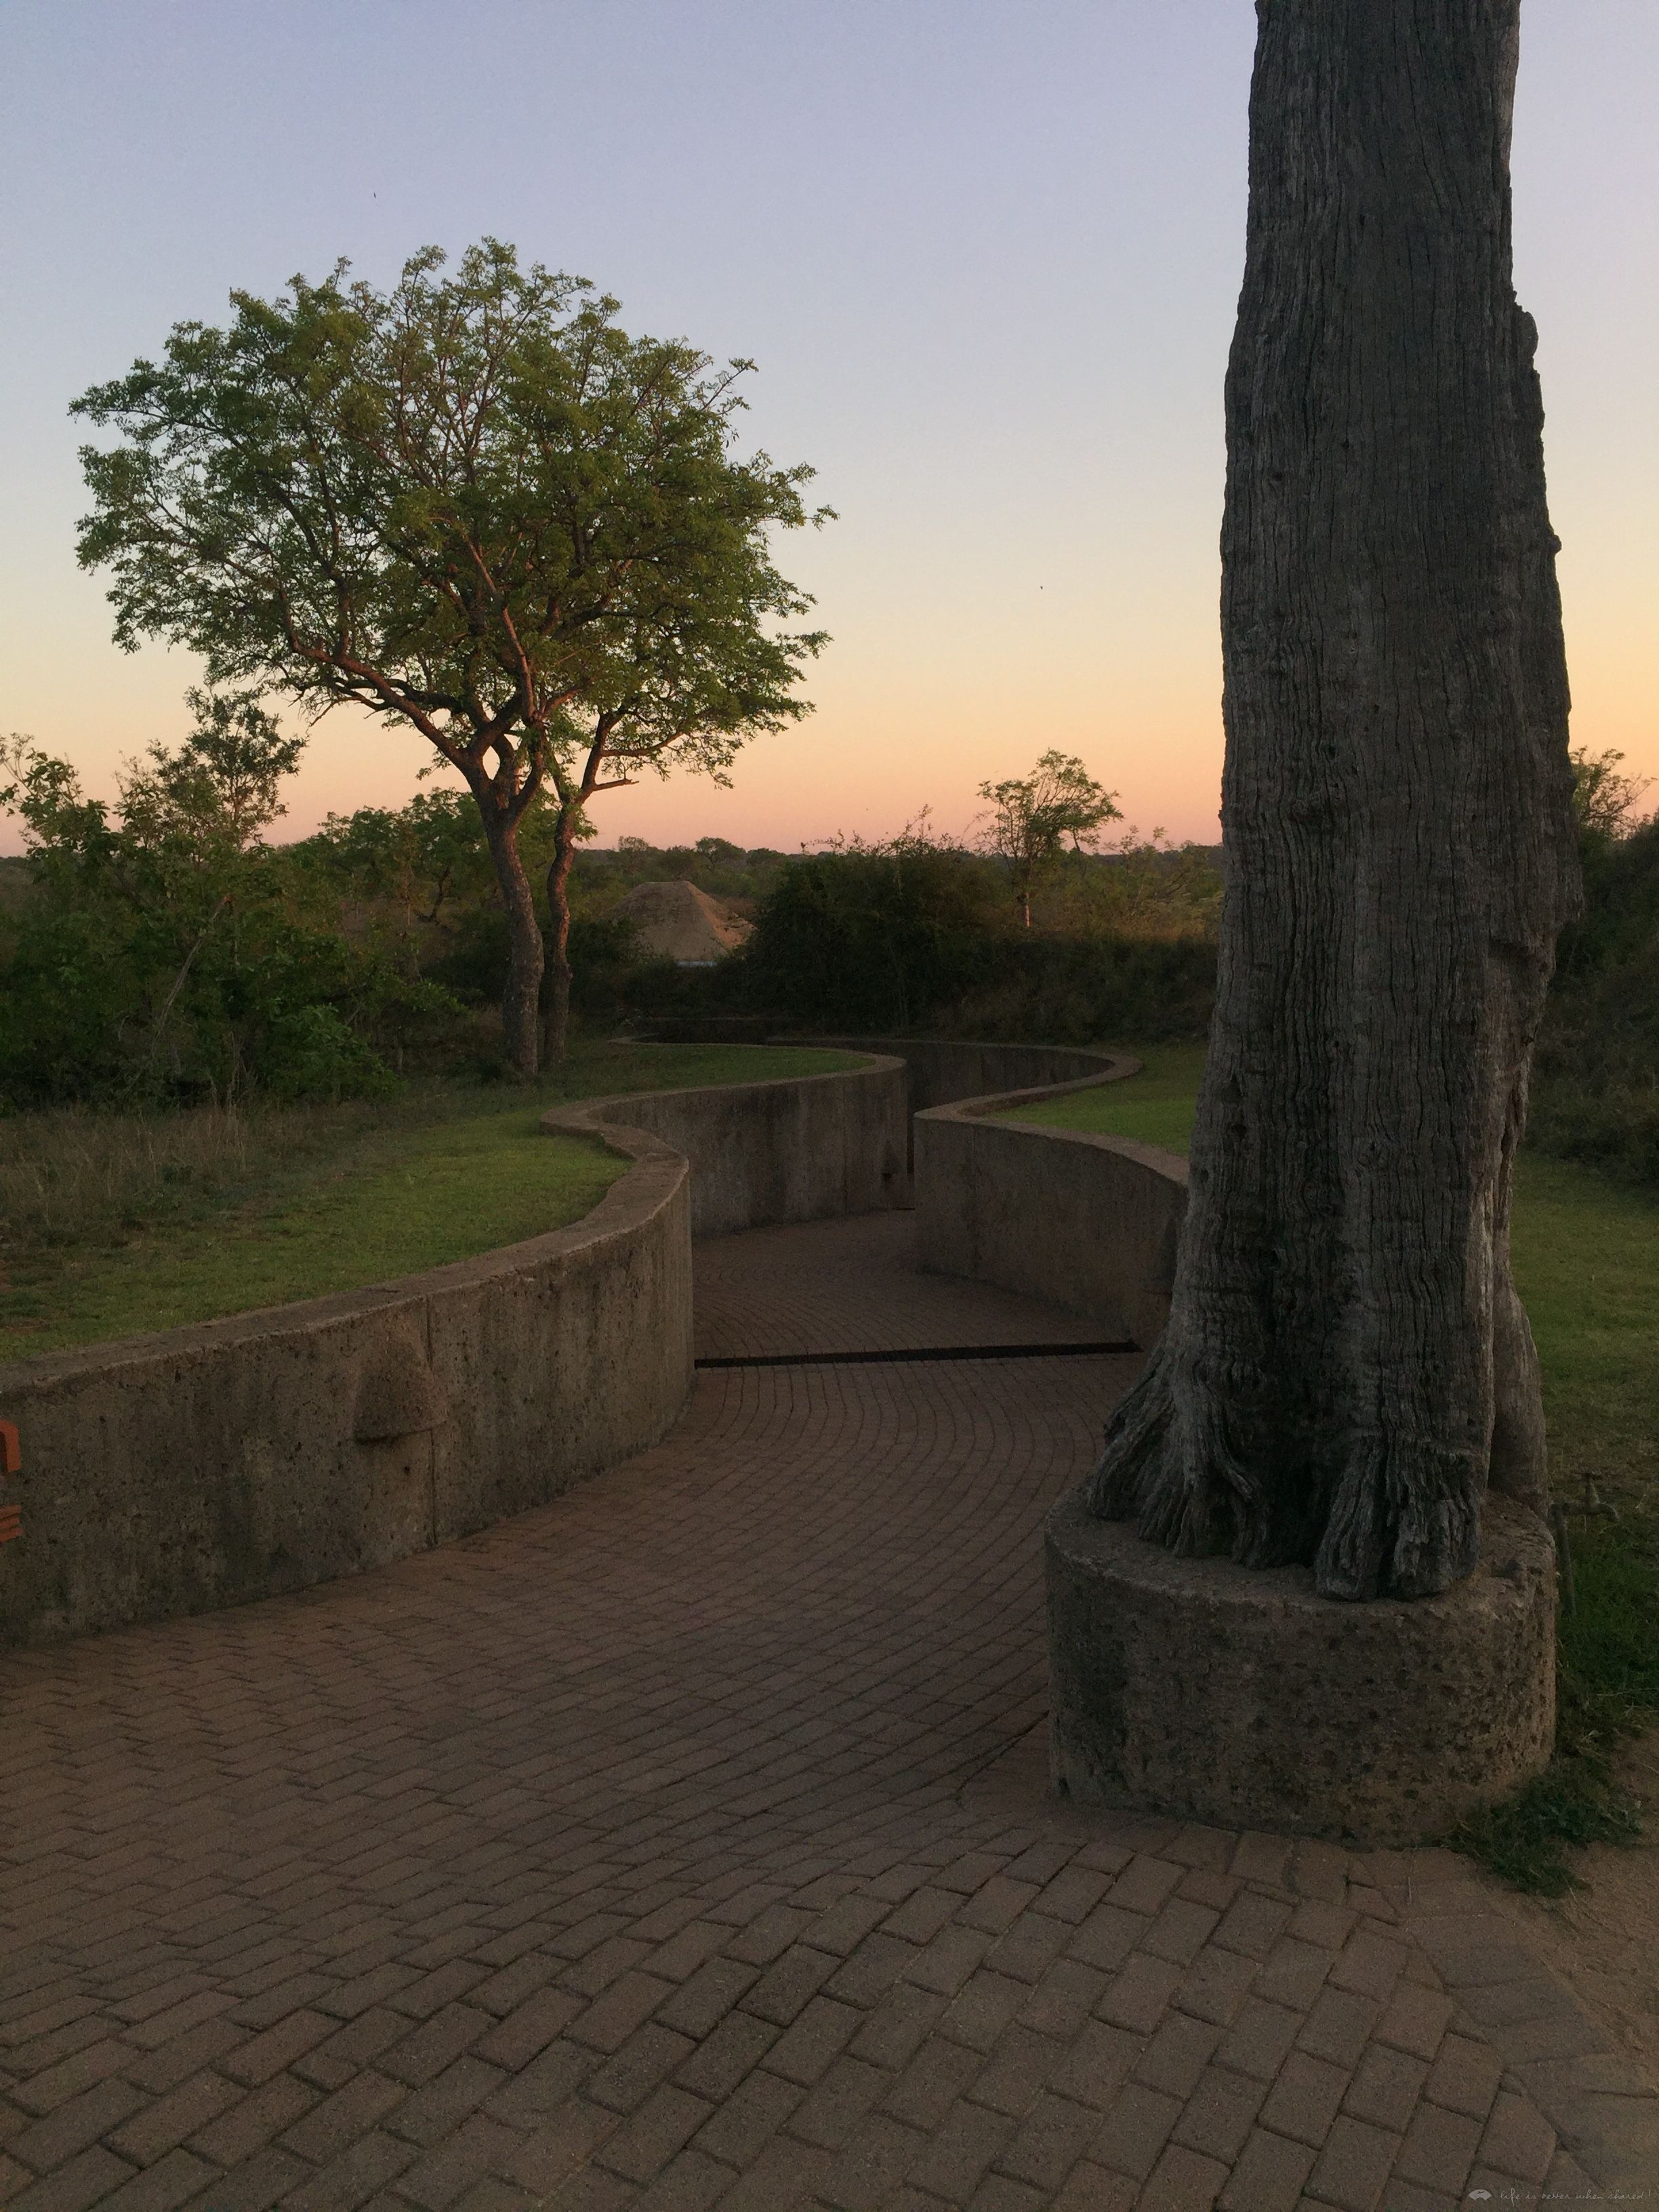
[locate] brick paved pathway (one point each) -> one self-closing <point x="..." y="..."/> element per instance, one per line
<point x="682" y="1844"/>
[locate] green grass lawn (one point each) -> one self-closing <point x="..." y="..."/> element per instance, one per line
<point x="1155" y="1107"/>
<point x="1586" y="1255"/>
<point x="115" y="1226"/>
<point x="1586" y="1258"/>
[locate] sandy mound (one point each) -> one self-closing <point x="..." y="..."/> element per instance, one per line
<point x="676" y="921"/>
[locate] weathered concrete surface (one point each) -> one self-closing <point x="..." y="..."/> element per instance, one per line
<point x="1211" y="1692"/>
<point x="202" y="1466"/>
<point x="801" y="1148"/>
<point x="1087" y="1222"/>
<point x="852" y="1286"/>
<point x="938" y="1071"/>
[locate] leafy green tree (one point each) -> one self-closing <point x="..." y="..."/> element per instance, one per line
<point x="424" y="860"/>
<point x="1605" y="798"/>
<point x="473" y="505"/>
<point x="219" y="788"/>
<point x="1030" y="817"/>
<point x="165" y="950"/>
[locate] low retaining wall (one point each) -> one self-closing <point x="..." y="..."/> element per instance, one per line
<point x="801" y="1148"/>
<point x="1086" y="1222"/>
<point x="940" y="1070"/>
<point x="202" y="1466"/>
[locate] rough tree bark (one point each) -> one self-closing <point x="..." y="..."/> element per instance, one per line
<point x="1347" y="1364"/>
<point x="556" y="1040"/>
<point x="525" y="954"/>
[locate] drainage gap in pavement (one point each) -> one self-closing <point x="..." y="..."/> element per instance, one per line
<point x="913" y="1352"/>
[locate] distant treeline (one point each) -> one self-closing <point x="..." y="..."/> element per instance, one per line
<point x="922" y="934"/>
<point x="165" y="951"/>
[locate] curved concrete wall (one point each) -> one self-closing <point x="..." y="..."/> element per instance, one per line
<point x="939" y="1070"/>
<point x="1089" y="1223"/>
<point x="201" y="1467"/>
<point x="801" y="1148"/>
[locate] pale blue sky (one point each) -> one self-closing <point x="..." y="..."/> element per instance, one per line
<point x="986" y="253"/>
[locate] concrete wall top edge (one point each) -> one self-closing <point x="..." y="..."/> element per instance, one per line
<point x="1168" y="1165"/>
<point x="1121" y="1066"/>
<point x="584" y="1116"/>
<point x="656" y="1171"/>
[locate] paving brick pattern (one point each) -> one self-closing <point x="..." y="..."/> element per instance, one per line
<point x="681" y="1845"/>
<point x="852" y="1286"/>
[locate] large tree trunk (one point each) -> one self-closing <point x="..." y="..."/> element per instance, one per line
<point x="526" y="955"/>
<point x="1347" y="1364"/>
<point x="557" y="1039"/>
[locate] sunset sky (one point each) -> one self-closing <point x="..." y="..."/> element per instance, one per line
<point x="986" y="253"/>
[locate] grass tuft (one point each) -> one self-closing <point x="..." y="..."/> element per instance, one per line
<point x="1525" y="1841"/>
<point x="1607" y="1691"/>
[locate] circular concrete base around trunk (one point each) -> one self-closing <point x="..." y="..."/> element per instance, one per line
<point x="1237" y="1695"/>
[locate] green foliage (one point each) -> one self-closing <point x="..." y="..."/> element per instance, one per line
<point x="1075" y="990"/>
<point x="1595" y="1094"/>
<point x="217" y="792"/>
<point x="472" y="506"/>
<point x="871" y="937"/>
<point x="472" y="501"/>
<point x="604" y="952"/>
<point x="66" y="992"/>
<point x="425" y="862"/>
<point x="165" y="951"/>
<point x="1030" y="818"/>
<point x="918" y="932"/>
<point x="1144" y="891"/>
<point x="312" y="1053"/>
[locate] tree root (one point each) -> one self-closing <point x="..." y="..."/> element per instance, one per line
<point x="1396" y="1519"/>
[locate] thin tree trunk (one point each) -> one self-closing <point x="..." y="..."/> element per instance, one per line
<point x="522" y="1001"/>
<point x="161" y="1019"/>
<point x="1347" y="1364"/>
<point x="558" y="901"/>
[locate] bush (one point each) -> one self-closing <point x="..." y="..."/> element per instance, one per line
<point x="1596" y="1093"/>
<point x="312" y="1055"/>
<point x="65" y="994"/>
<point x="603" y="952"/>
<point x="918" y="935"/>
<point x="1072" y="990"/>
<point x="871" y="937"/>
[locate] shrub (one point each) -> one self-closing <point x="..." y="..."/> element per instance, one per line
<point x="1595" y="1094"/>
